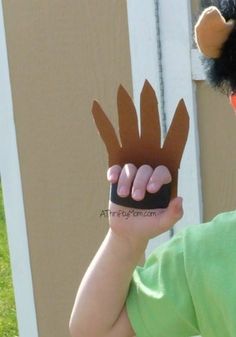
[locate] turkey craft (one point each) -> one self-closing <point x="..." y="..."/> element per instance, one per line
<point x="143" y="148"/>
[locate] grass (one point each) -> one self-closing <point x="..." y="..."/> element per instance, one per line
<point x="8" y="323"/>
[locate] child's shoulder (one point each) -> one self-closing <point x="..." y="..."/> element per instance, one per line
<point x="222" y="224"/>
<point x="216" y="238"/>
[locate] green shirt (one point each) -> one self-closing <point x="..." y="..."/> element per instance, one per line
<point x="187" y="287"/>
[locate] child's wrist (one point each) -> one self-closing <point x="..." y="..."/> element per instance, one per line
<point x="132" y="247"/>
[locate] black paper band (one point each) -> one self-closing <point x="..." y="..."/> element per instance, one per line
<point x="159" y="199"/>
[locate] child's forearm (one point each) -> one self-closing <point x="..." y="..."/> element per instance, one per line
<point x="99" y="306"/>
<point x="103" y="290"/>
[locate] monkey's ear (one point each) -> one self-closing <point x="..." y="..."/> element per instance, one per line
<point x="212" y="31"/>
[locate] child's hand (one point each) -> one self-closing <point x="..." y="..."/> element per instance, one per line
<point x="141" y="224"/>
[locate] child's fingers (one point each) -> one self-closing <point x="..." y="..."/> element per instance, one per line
<point x="126" y="178"/>
<point x="172" y="214"/>
<point x="161" y="175"/>
<point x="113" y="174"/>
<point x="140" y="182"/>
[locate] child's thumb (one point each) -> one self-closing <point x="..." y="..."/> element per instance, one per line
<point x="173" y="213"/>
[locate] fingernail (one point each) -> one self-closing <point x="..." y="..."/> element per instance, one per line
<point x="111" y="177"/>
<point x="122" y="191"/>
<point x="152" y="187"/>
<point x="137" y="194"/>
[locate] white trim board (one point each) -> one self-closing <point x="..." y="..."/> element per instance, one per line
<point x="175" y="62"/>
<point x="143" y="45"/>
<point x="176" y="40"/>
<point x="145" y="62"/>
<point x="198" y="73"/>
<point x="13" y="202"/>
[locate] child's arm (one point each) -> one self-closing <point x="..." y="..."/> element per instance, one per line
<point x="101" y="296"/>
<point x="99" y="308"/>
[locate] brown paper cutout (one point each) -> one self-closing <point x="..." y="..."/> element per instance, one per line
<point x="144" y="148"/>
<point x="212" y="31"/>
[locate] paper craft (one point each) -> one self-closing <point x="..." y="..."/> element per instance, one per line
<point x="144" y="148"/>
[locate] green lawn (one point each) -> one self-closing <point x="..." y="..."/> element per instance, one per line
<point x="8" y="324"/>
